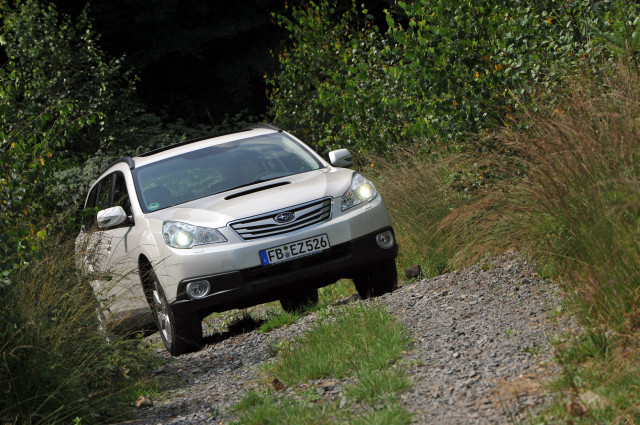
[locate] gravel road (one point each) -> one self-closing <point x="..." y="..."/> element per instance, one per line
<point x="479" y="354"/>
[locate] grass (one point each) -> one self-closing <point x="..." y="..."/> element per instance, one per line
<point x="279" y="320"/>
<point x="360" y="338"/>
<point x="56" y="364"/>
<point x="361" y="343"/>
<point x="580" y="206"/>
<point x="593" y="363"/>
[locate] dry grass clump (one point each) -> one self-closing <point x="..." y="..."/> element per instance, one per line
<point x="580" y="205"/>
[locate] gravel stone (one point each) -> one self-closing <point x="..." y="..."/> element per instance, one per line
<point x="479" y="354"/>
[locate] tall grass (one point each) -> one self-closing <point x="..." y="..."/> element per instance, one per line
<point x="418" y="196"/>
<point x="56" y="363"/>
<point x="577" y="213"/>
<point x="580" y="206"/>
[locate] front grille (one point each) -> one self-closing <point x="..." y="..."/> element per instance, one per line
<point x="264" y="225"/>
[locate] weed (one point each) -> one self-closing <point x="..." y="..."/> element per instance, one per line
<point x="278" y="320"/>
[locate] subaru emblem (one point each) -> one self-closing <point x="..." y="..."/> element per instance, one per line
<point x="284" y="217"/>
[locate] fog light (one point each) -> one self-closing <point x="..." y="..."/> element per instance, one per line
<point x="198" y="289"/>
<point x="385" y="240"/>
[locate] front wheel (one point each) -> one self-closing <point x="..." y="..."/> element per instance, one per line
<point x="179" y="334"/>
<point x="377" y="279"/>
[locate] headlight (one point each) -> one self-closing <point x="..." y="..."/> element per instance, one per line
<point x="183" y="235"/>
<point x="361" y="190"/>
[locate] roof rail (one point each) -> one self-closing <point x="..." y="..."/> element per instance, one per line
<point x="130" y="162"/>
<point x="264" y="125"/>
<point x="175" y="145"/>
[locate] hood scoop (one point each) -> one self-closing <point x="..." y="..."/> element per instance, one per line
<point x="254" y="190"/>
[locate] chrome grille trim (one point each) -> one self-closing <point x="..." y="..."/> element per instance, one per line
<point x="264" y="225"/>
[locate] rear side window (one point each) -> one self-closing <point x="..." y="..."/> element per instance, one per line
<point x="89" y="212"/>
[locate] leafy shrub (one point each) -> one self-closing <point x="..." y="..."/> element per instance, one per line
<point x="443" y="70"/>
<point x="55" y="92"/>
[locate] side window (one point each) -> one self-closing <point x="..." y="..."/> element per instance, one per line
<point x="104" y="193"/>
<point x="91" y="199"/>
<point x="89" y="212"/>
<point x="99" y="199"/>
<point x="120" y="193"/>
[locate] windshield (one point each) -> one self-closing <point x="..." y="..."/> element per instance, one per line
<point x="220" y="168"/>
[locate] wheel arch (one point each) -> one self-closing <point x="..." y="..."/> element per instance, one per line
<point x="144" y="268"/>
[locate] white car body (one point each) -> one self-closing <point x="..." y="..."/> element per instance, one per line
<point x="126" y="247"/>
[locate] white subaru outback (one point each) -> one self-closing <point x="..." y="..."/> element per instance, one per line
<point x="230" y="222"/>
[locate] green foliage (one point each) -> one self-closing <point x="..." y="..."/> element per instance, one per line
<point x="48" y="111"/>
<point x="443" y="70"/>
<point x="59" y="66"/>
<point x="331" y="89"/>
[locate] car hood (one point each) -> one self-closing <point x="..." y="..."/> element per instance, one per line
<point x="218" y="210"/>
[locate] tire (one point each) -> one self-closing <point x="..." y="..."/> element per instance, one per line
<point x="300" y="301"/>
<point x="377" y="279"/>
<point x="179" y="334"/>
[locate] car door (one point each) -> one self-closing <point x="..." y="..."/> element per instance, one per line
<point x="121" y="258"/>
<point x="107" y="253"/>
<point x="93" y="242"/>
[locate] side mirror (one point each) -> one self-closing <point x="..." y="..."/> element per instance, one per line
<point x="111" y="217"/>
<point x="341" y="158"/>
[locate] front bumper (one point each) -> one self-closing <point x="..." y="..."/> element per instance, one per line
<point x="257" y="285"/>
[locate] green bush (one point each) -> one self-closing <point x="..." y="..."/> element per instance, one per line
<point x="332" y="89"/>
<point x="443" y="70"/>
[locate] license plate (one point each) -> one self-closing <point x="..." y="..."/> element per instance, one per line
<point x="293" y="250"/>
